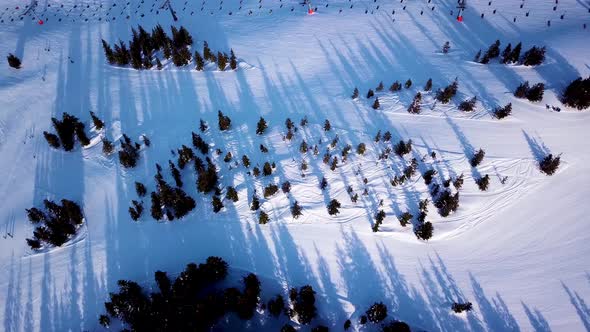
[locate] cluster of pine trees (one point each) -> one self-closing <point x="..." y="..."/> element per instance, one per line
<point x="532" y="57"/>
<point x="56" y="225"/>
<point x="533" y="93"/>
<point x="172" y="306"/>
<point x="129" y="153"/>
<point x="142" y="49"/>
<point x="169" y="201"/>
<point x="577" y="93"/>
<point x="68" y="129"/>
<point x="13" y="61"/>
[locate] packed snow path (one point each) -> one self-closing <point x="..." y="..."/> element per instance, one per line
<point x="518" y="251"/>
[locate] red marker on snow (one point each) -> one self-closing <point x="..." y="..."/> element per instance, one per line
<point x="459" y="18"/>
<point x="40" y="22"/>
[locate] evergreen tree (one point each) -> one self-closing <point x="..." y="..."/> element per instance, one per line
<point x="207" y="54"/>
<point x="261" y="126"/>
<point x="333" y="207"/>
<point x="424" y="231"/>
<point x="263" y="218"/>
<point x="506" y="53"/>
<point x="377" y="312"/>
<point x="522" y="90"/>
<point x="108" y="52"/>
<point x="370" y="93"/>
<point x="217" y="204"/>
<point x="140" y="189"/>
<point x="361" y="148"/>
<point x="483" y="182"/>
<point x="227" y="157"/>
<point x="355" y="93"/>
<point x="175" y="174"/>
<point x="477" y="158"/>
<point x="445" y="95"/>
<point x="13" y="61"/>
<point x="221" y="61"/>
<point x="534" y="56"/>
<point x="577" y="94"/>
<point x="270" y="190"/>
<point x="376" y="104"/>
<point x="232" y="194"/>
<point x="380" y="86"/>
<point x="396" y="86"/>
<point x="200" y="63"/>
<point x="327" y="125"/>
<point x="550" y="164"/>
<point x="408" y="84"/>
<point x="158" y="64"/>
<point x="52" y="139"/>
<point x="224" y="121"/>
<point x="255" y="203"/>
<point x="276" y="306"/>
<point x="502" y="112"/>
<point x="428" y="85"/>
<point x="414" y="108"/>
<point x="535" y="93"/>
<point x="266" y="169"/>
<point x="477" y="56"/>
<point x="296" y="210"/>
<point x="286" y="187"/>
<point x="107" y="147"/>
<point x="468" y="105"/>
<point x="245" y="161"/>
<point x="98" y="124"/>
<point x="515" y="54"/>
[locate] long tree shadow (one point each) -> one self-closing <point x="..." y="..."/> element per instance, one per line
<point x="578" y="302"/>
<point x="495" y="313"/>
<point x="537" y="320"/>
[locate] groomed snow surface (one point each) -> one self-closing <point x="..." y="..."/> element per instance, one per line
<point x="519" y="251"/>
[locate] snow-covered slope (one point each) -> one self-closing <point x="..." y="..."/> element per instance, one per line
<point x="517" y="251"/>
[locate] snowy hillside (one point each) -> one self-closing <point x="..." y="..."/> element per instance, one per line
<point x="518" y="250"/>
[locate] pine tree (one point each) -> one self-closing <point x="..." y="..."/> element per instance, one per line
<point x="255" y="203"/>
<point x="199" y="62"/>
<point x="140" y="189"/>
<point x="224" y="121"/>
<point x="477" y="158"/>
<point x="261" y="126"/>
<point x="13" y="61"/>
<point x="370" y="93"/>
<point x="217" y="204"/>
<point x="535" y="93"/>
<point x="327" y="125"/>
<point x="158" y="64"/>
<point x="414" y="108"/>
<point x="245" y="161"/>
<point x="207" y="51"/>
<point x="506" y="53"/>
<point x="232" y="194"/>
<point x="333" y="207"/>
<point x="534" y="56"/>
<point x="355" y="93"/>
<point x="296" y="210"/>
<point x="515" y="54"/>
<point x="550" y="164"/>
<point x="361" y="148"/>
<point x="266" y="169"/>
<point x="468" y="105"/>
<point x="203" y="125"/>
<point x="483" y="182"/>
<point x="577" y="94"/>
<point x="380" y="86"/>
<point x="52" y="139"/>
<point x="221" y="61"/>
<point x="107" y="147"/>
<point x="98" y="124"/>
<point x="396" y="86"/>
<point x="408" y="83"/>
<point x="502" y="112"/>
<point x="233" y="63"/>
<point x="424" y="231"/>
<point x="377" y="312"/>
<point x="521" y="90"/>
<point x="263" y="218"/>
<point x="428" y="85"/>
<point x="477" y="56"/>
<point x="376" y="104"/>
<point x="108" y="52"/>
<point x="445" y="95"/>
